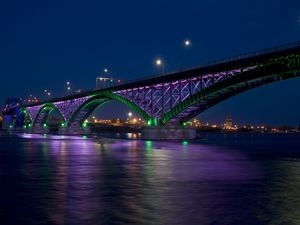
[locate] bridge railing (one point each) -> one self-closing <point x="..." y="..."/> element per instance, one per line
<point x="256" y="53"/>
<point x="212" y="63"/>
<point x="217" y="62"/>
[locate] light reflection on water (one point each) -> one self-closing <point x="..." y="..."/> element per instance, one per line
<point x="77" y="180"/>
<point x="49" y="136"/>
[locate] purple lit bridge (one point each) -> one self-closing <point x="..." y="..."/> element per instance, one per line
<point x="170" y="99"/>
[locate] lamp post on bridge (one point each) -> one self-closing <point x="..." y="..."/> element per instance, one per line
<point x="47" y="93"/>
<point x="68" y="87"/>
<point x="160" y="63"/>
<point x="186" y="44"/>
<point x="102" y="80"/>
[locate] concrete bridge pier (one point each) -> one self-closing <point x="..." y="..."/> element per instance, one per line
<point x="16" y="130"/>
<point x="74" y="130"/>
<point x="39" y="130"/>
<point x="8" y="122"/>
<point x="62" y="130"/>
<point x="169" y="133"/>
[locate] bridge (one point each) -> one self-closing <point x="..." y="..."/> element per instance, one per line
<point x="168" y="100"/>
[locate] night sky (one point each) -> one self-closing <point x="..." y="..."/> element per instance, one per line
<point x="43" y="44"/>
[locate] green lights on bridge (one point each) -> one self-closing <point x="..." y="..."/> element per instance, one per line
<point x="152" y="122"/>
<point x="27" y="126"/>
<point x="198" y="95"/>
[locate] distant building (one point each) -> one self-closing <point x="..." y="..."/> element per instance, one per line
<point x="228" y="123"/>
<point x="196" y="122"/>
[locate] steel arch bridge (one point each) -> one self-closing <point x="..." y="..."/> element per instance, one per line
<point x="174" y="98"/>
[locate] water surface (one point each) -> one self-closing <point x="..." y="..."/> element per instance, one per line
<point x="220" y="179"/>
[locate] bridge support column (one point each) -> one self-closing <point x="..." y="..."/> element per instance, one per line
<point x="39" y="129"/>
<point x="63" y="130"/>
<point x="74" y="130"/>
<point x="8" y="122"/>
<point x="169" y="133"/>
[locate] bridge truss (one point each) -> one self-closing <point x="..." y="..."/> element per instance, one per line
<point x="177" y="97"/>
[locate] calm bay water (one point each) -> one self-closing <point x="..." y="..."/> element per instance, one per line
<point x="220" y="179"/>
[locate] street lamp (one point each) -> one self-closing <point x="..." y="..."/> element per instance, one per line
<point x="46" y="92"/>
<point x="130" y="115"/>
<point x="159" y="63"/>
<point x="102" y="79"/>
<point x="187" y="43"/>
<point x="68" y="84"/>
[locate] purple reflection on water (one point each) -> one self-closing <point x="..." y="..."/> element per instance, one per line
<point x="214" y="163"/>
<point x="49" y="136"/>
<point x="76" y="180"/>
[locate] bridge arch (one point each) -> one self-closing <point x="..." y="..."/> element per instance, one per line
<point x="23" y="118"/>
<point x="221" y="91"/>
<point x="88" y="107"/>
<point x="42" y="116"/>
<point x="176" y="97"/>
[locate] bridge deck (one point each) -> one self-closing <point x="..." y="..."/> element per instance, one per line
<point x="218" y="66"/>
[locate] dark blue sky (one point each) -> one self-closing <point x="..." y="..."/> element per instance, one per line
<point x="45" y="43"/>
